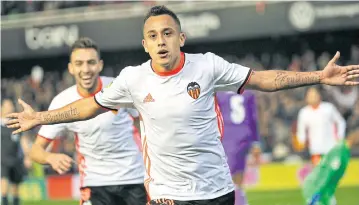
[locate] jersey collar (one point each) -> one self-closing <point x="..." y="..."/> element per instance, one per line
<point x="175" y="70"/>
<point x="98" y="89"/>
<point x="315" y="107"/>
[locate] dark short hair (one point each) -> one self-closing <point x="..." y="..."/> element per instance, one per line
<point x="162" y="10"/>
<point x="85" y="42"/>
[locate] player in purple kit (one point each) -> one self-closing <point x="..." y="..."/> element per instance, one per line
<point x="239" y="114"/>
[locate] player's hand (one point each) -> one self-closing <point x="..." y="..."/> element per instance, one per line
<point x="24" y="120"/>
<point x="61" y="163"/>
<point x="334" y="74"/>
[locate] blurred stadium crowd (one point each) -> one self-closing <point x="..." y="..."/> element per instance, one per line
<point x="37" y="81"/>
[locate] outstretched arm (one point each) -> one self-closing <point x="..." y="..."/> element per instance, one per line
<point x="332" y="74"/>
<point x="274" y="80"/>
<point x="83" y="109"/>
<point x="115" y="95"/>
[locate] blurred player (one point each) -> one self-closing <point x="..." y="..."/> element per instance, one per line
<point x="240" y="134"/>
<point x="175" y="95"/>
<point x="110" y="164"/>
<point x="320" y="185"/>
<point x="14" y="157"/>
<point x="321" y="124"/>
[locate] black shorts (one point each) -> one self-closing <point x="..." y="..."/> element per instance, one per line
<point x="134" y="194"/>
<point x="227" y="199"/>
<point x="15" y="173"/>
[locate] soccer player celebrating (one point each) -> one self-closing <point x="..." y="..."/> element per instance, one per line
<point x="110" y="163"/>
<point x="321" y="124"/>
<point x="174" y="93"/>
<point x="240" y="134"/>
<point x="320" y="185"/>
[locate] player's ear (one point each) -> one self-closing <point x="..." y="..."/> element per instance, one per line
<point x="100" y="65"/>
<point x="144" y="45"/>
<point x="71" y="69"/>
<point x="182" y="39"/>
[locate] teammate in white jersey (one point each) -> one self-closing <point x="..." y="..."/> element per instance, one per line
<point x="174" y="93"/>
<point x="110" y="163"/>
<point x="321" y="124"/>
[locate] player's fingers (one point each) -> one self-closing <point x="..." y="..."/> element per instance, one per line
<point x="65" y="168"/>
<point x="66" y="158"/>
<point x="335" y="58"/>
<point x="352" y="68"/>
<point x="58" y="170"/>
<point x="56" y="167"/>
<point x="13" y="126"/>
<point x="351" y="83"/>
<point x="353" y="72"/>
<point x="66" y="161"/>
<point x="62" y="169"/>
<point x="23" y="103"/>
<point x="17" y="131"/>
<point x="69" y="159"/>
<point x="65" y="164"/>
<point x="12" y="121"/>
<point x="352" y="76"/>
<point x="12" y="115"/>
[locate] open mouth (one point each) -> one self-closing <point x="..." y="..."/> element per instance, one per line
<point x="162" y="53"/>
<point x="86" y="80"/>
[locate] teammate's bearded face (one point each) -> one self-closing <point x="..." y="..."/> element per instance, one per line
<point x="85" y="66"/>
<point x="163" y="40"/>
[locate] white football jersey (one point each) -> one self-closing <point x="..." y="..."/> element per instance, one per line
<point x="322" y="126"/>
<point x="107" y="152"/>
<point x="183" y="154"/>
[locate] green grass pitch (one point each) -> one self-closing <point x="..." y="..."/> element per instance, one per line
<point x="345" y="196"/>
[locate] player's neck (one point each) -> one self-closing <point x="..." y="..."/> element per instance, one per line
<point x="90" y="92"/>
<point x="315" y="106"/>
<point x="171" y="69"/>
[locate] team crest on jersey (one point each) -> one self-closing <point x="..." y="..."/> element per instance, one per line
<point x="193" y="90"/>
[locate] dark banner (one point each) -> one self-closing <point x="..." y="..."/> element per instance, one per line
<point x="210" y="25"/>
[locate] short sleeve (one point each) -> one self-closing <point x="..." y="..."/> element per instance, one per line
<point x="228" y="76"/>
<point x="50" y="132"/>
<point x="116" y="94"/>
